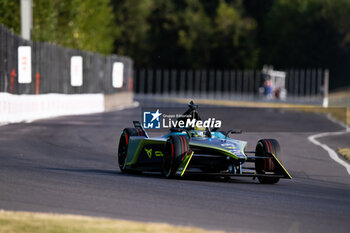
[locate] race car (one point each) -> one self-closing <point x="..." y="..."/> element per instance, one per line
<point x="198" y="151"/>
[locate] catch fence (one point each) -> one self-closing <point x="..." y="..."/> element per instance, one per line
<point x="51" y="68"/>
<point x="298" y="85"/>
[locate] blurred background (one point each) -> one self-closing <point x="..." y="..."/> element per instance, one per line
<point x="253" y="61"/>
<point x="231" y="47"/>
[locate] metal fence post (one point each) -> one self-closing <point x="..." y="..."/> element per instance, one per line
<point x="313" y="83"/>
<point x="173" y="82"/>
<point x="325" y="89"/>
<point x="319" y="82"/>
<point x="189" y="83"/>
<point x="182" y="83"/>
<point x="257" y="82"/>
<point x="204" y="89"/>
<point x="302" y="82"/>
<point x="239" y="86"/>
<point x="308" y="83"/>
<point x="158" y="90"/>
<point x="218" y="91"/>
<point x="211" y="84"/>
<point x="250" y="84"/>
<point x="142" y="77"/>
<point x="149" y="82"/>
<point x="197" y="84"/>
<point x="245" y="84"/>
<point x="232" y="83"/>
<point x="226" y="83"/>
<point x="296" y="84"/>
<point x="290" y="87"/>
<point x="166" y="82"/>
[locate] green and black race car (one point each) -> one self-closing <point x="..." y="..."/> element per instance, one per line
<point x="186" y="151"/>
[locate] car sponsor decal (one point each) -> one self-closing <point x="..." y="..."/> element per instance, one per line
<point x="149" y="152"/>
<point x="157" y="153"/>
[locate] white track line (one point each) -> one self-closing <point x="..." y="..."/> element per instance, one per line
<point x="330" y="151"/>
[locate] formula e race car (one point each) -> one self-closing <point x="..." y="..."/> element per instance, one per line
<point x="198" y="151"/>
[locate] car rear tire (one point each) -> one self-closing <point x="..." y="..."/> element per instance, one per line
<point x="264" y="148"/>
<point x="176" y="149"/>
<point x="124" y="143"/>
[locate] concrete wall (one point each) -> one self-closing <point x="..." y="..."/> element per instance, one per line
<point x="118" y="100"/>
<point x="26" y="108"/>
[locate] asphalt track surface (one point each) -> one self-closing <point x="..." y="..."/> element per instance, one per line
<point x="69" y="165"/>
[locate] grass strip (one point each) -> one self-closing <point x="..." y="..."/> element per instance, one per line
<point x="345" y="152"/>
<point x="26" y="222"/>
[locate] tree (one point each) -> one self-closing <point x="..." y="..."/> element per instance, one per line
<point x="310" y="33"/>
<point x="163" y="35"/>
<point x="10" y="15"/>
<point x="132" y="28"/>
<point x="94" y="25"/>
<point x="80" y="24"/>
<point x="234" y="38"/>
<point x="194" y="35"/>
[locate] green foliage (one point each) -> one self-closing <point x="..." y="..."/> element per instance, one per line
<point x="95" y="25"/>
<point x="309" y="33"/>
<point x="131" y="31"/>
<point x="10" y="16"/>
<point x="45" y="20"/>
<point x="80" y="24"/>
<point x="183" y="34"/>
<point x="162" y="37"/>
<point x="306" y="32"/>
<point x="228" y="21"/>
<point x="199" y="33"/>
<point x="235" y="37"/>
<point x="194" y="34"/>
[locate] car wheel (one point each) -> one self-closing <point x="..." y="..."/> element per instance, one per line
<point x="124" y="143"/>
<point x="176" y="150"/>
<point x="263" y="166"/>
